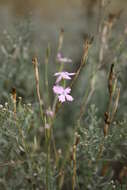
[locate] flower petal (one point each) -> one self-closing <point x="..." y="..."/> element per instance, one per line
<point x="71" y="74"/>
<point x="59" y="78"/>
<point x="58" y="89"/>
<point x="61" y="98"/>
<point x="57" y="74"/>
<point x="66" y="77"/>
<point x="67" y="90"/>
<point x="69" y="98"/>
<point x="63" y="75"/>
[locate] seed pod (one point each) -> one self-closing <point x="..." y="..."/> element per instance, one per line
<point x="14" y="99"/>
<point x="106" y="127"/>
<point x="110" y="79"/>
<point x="107" y="123"/>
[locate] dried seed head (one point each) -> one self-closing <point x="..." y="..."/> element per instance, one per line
<point x="14" y="99"/>
<point x="110" y="79"/>
<point x="106" y="127"/>
<point x="14" y="94"/>
<point x="77" y="138"/>
<point x="34" y="61"/>
<point x="61" y="37"/>
<point x="107" y="118"/>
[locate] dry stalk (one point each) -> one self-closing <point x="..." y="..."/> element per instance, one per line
<point x="87" y="45"/>
<point x="101" y="10"/>
<point x="110" y="80"/>
<point x="74" y="167"/>
<point x="107" y="123"/>
<point x="70" y="155"/>
<point x="35" y="63"/>
<point x="61" y="176"/>
<point x="61" y="37"/>
<point x="14" y="100"/>
<point x="107" y="118"/>
<point x="104" y="33"/>
<point x="109" y="114"/>
<point x="73" y="158"/>
<point x="115" y="104"/>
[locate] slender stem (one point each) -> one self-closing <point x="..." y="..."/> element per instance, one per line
<point x="48" y="131"/>
<point x="41" y="102"/>
<point x="46" y="73"/>
<point x="83" y="61"/>
<point x="74" y="168"/>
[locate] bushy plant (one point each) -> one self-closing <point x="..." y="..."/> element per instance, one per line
<point x="67" y="131"/>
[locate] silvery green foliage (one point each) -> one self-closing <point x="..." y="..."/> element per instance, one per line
<point x="91" y="137"/>
<point x="22" y="161"/>
<point x="89" y="159"/>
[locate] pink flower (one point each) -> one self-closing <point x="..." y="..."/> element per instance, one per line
<point x="63" y="75"/>
<point x="63" y="93"/>
<point x="62" y="59"/>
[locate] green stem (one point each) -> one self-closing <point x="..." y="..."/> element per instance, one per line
<point x="46" y="72"/>
<point x="48" y="138"/>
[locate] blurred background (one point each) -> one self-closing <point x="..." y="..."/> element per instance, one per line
<point x="77" y="17"/>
